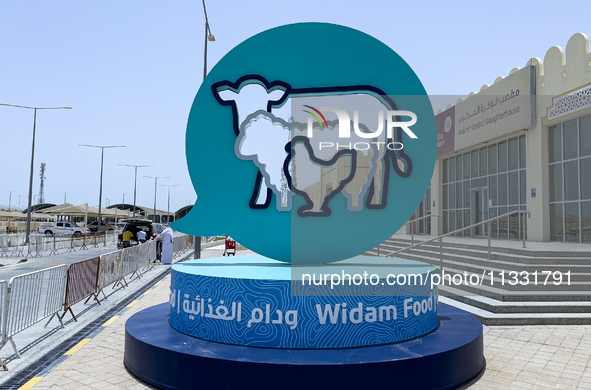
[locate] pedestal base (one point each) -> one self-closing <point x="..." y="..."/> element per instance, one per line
<point x="164" y="357"/>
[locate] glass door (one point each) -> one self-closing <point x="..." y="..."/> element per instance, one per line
<point x="423" y="226"/>
<point x="479" y="211"/>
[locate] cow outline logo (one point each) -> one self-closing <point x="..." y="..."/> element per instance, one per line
<point x="265" y="186"/>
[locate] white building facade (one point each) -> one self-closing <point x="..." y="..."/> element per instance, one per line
<point x="522" y="143"/>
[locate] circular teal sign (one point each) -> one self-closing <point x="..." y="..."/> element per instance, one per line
<point x="309" y="143"/>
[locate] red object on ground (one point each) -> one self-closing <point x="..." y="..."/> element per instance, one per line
<point x="230" y="247"/>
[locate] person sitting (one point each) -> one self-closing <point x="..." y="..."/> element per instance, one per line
<point x="141" y="236"/>
<point x="126" y="237"/>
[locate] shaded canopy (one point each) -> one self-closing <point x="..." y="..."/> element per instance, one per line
<point x="11" y="215"/>
<point x="84" y="210"/>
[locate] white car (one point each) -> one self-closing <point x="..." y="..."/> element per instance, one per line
<point x="62" y="227"/>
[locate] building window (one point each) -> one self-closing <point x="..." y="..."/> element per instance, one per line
<point x="498" y="171"/>
<point x="569" y="176"/>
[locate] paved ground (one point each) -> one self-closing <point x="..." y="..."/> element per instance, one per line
<point x="518" y="357"/>
<point x="536" y="357"/>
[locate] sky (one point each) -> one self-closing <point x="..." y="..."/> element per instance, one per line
<point x="130" y="71"/>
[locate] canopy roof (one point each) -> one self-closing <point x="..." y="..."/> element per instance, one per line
<point x="85" y="210"/>
<point x="20" y="215"/>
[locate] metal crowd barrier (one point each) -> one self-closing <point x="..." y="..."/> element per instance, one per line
<point x="146" y="256"/>
<point x="81" y="283"/>
<point x="4" y="302"/>
<point x="178" y="243"/>
<point x="129" y="265"/>
<point x="11" y="244"/>
<point x="31" y="298"/>
<point x="110" y="270"/>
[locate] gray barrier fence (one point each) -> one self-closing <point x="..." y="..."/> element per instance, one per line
<point x="31" y="298"/>
<point x="35" y="296"/>
<point x="4" y="301"/>
<point x="13" y="245"/>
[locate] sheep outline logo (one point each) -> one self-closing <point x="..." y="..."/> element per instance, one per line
<point x="266" y="184"/>
<point x="233" y="195"/>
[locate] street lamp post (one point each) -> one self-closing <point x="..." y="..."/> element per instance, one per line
<point x="10" y="199"/>
<point x="155" y="189"/>
<point x="98" y="228"/>
<point x="32" y="157"/>
<point x="208" y="37"/>
<point x="168" y="210"/>
<point x="135" y="182"/>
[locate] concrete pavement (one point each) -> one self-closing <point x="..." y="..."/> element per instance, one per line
<point x="518" y="357"/>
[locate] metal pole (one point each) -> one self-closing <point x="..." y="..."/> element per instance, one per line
<point x="197" y="254"/>
<point x="168" y="210"/>
<point x="155" y="190"/>
<point x="205" y="51"/>
<point x="489" y="239"/>
<point x="28" y="232"/>
<point x="9" y="200"/>
<point x="134" y="191"/>
<point x="441" y="256"/>
<point x="98" y="229"/>
<point x="523" y="230"/>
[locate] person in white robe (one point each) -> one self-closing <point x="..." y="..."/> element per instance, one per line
<point x="167" y="239"/>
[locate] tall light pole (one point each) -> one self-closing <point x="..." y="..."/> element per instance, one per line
<point x="168" y="210"/>
<point x="135" y="182"/>
<point x="32" y="157"/>
<point x="208" y="37"/>
<point x="10" y="199"/>
<point x="98" y="228"/>
<point x="156" y="189"/>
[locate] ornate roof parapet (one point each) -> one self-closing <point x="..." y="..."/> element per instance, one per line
<point x="561" y="71"/>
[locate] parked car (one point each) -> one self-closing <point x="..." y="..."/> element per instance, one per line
<point x="134" y="225"/>
<point x="93" y="226"/>
<point x="62" y="227"/>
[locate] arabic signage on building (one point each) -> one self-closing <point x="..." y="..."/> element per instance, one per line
<point x="499" y="110"/>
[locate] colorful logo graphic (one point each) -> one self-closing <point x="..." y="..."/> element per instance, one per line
<point x="306" y="161"/>
<point x="317" y="112"/>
